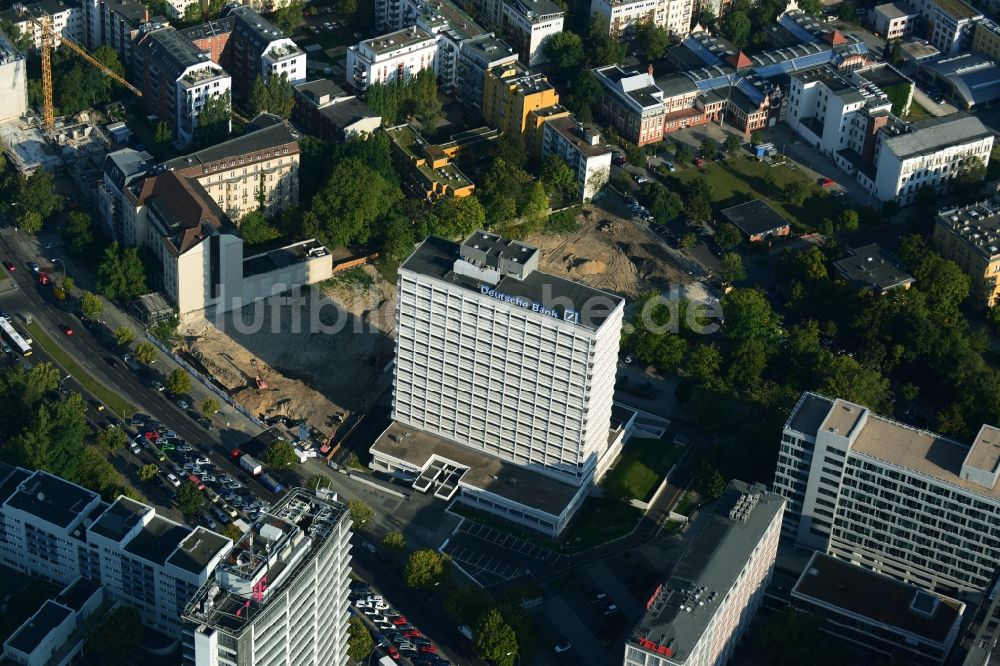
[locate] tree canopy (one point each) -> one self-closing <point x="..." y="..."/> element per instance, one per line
<point x="280" y="455"/>
<point x="121" y="275"/>
<point x="495" y="640"/>
<point x="425" y="569"/>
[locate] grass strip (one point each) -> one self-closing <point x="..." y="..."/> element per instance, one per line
<point x="119" y="405"/>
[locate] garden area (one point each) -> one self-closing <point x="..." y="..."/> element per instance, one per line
<point x="641" y="467"/>
<point x="740" y="179"/>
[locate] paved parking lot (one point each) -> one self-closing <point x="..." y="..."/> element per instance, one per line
<point x="491" y="557"/>
<point x="490" y="535"/>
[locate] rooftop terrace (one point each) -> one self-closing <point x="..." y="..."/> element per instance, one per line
<point x="977" y="224"/>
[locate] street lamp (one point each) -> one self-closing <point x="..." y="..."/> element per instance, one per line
<point x="55" y="259"/>
<point x="518" y="655"/>
<point x="63" y="381"/>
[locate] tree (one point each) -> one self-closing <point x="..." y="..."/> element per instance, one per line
<point x="749" y="316"/>
<point x="121" y="275"/>
<point x="214" y="120"/>
<point x="118" y="637"/>
<point x="558" y="178"/>
<point x="809" y="265"/>
<point x="90" y="304"/>
<point x="652" y="40"/>
<point x="280" y="455"/>
<point x="682" y="153"/>
<point x="163" y="134"/>
<point x="601" y="46"/>
<point x="847" y="11"/>
<point x="192" y="14"/>
<point x="585" y="93"/>
<point x="704" y="362"/>
<point x="709" y="146"/>
<point x="21" y="41"/>
<point x="148" y="472"/>
<point x="255" y="229"/>
<point x="67" y="284"/>
<point x="731" y="270"/>
<point x="495" y="640"/>
<point x="796" y="192"/>
<point x="666" y="205"/>
<point x="394" y="541"/>
<point x="565" y="51"/>
<point x="361" y="514"/>
<point x="36" y="199"/>
<point x="848" y="221"/>
<point x="425" y="569"/>
<point x="706" y="17"/>
<point x="77" y="232"/>
<point x="811" y="7"/>
<point x="208" y="406"/>
<point x="145" y="353"/>
<point x="711" y="481"/>
<point x="698" y="208"/>
<point x="280" y="98"/>
<point x="346" y="7"/>
<point x="346" y="210"/>
<point x="189" y="499"/>
<point x="292" y="15"/>
<point x="848" y="379"/>
<point x="179" y="382"/>
<point x="111" y="439"/>
<point x="688" y="241"/>
<point x="359" y="641"/>
<point x="732" y="144"/>
<point x="232" y="532"/>
<point x="969" y="175"/>
<point x="124" y="336"/>
<point x="728" y="236"/>
<point x="258" y="96"/>
<point x="736" y="28"/>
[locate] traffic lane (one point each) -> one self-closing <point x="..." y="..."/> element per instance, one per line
<point x="421" y="609"/>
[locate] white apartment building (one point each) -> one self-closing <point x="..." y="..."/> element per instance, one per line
<point x="624" y="16"/>
<point x="926" y="152"/>
<point x="698" y="614"/>
<point x="502" y="371"/>
<point x="66" y="19"/>
<point x="893" y="20"/>
<point x="280" y="595"/>
<point x="901" y="501"/>
<point x="951" y="23"/>
<point x="177" y="8"/>
<point x="57" y="530"/>
<point x="115" y="23"/>
<point x="258" y="48"/>
<point x="393" y="58"/>
<point x="581" y="148"/>
<point x="526" y="24"/>
<point x="13" y="82"/>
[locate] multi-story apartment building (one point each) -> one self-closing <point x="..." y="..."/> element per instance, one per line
<point x="117" y="23"/>
<point x="176" y="79"/>
<point x="632" y="103"/>
<point x="950" y="23"/>
<point x="504" y="375"/>
<point x="66" y="19"/>
<point x="13" y="81"/>
<point x="121" y="168"/>
<point x="897" y="620"/>
<point x="527" y="24"/>
<point x="323" y="109"/>
<point x="986" y="38"/>
<point x="697" y="616"/>
<point x="621" y="17"/>
<point x="393" y="58"/>
<point x="908" y="503"/>
<point x="893" y="20"/>
<point x="428" y="171"/>
<point x="177" y="8"/>
<point x="280" y="595"/>
<point x="581" y="148"/>
<point x="476" y="58"/>
<point x="970" y="236"/>
<point x="511" y="95"/>
<point x="59" y="531"/>
<point x="928" y="152"/>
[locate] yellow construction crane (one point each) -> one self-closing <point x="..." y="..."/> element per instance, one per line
<point x="45" y="23"/>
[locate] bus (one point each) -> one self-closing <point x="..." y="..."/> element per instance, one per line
<point x="270" y="483"/>
<point x="15" y="339"/>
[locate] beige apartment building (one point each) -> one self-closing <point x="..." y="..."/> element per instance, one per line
<point x="970" y="236"/>
<point x="237" y="173"/>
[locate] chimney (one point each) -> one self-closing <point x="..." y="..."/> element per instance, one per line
<point x="649" y="70"/>
<point x="146" y="16"/>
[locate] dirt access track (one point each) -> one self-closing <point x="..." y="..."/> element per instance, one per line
<point x="324" y="351"/>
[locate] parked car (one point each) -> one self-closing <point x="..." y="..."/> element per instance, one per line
<point x="565" y="646"/>
<point x="174" y="481"/>
<point x="209" y="523"/>
<point x="158" y="385"/>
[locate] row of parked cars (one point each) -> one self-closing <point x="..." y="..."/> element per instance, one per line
<point x="394" y="632"/>
<point x="638" y="209"/>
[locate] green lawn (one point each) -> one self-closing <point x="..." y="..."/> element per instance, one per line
<point x="601" y="519"/>
<point x="114" y="402"/>
<point x="917" y="112"/>
<point x="641" y="467"/>
<point x="740" y="179"/>
<point x="686" y="504"/>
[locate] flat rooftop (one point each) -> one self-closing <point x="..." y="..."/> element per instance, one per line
<point x="33" y="632"/>
<point x="870" y="266"/>
<point x="755" y="217"/>
<point x="680" y="609"/>
<point x="977" y="224"/>
<point x="198" y="550"/>
<point x="283" y="257"/>
<point x="157" y="540"/>
<point x="435" y="258"/>
<point x="985" y="451"/>
<point x="892" y="442"/>
<point x="119" y="519"/>
<point x="957" y="9"/>
<point x="574" y="133"/>
<point x="894" y="10"/>
<point x="418" y="449"/>
<point x="880" y="599"/>
<point x="933" y="134"/>
<point x="51" y="499"/>
<point x="395" y="41"/>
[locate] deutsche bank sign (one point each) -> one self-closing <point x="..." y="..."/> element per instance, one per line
<point x="567" y="315"/>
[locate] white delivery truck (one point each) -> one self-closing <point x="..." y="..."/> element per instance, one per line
<point x="386" y="661"/>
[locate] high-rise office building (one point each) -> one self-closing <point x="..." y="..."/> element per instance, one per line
<point x="504" y="368"/>
<point x="279" y="598"/>
<point x="896" y="499"/>
<point x="697" y="616"/>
